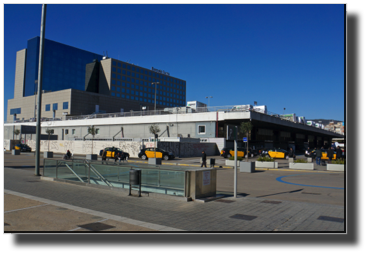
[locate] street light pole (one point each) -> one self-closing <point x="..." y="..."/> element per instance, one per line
<point x="208" y="101"/>
<point x="40" y="87"/>
<point x="155" y="95"/>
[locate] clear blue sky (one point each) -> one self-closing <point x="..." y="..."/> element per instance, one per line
<point x="288" y="56"/>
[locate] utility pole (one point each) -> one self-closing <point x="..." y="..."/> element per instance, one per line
<point x="235" y="164"/>
<point x="40" y="79"/>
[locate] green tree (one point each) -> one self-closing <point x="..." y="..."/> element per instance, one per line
<point x="154" y="129"/>
<point x="16" y="132"/>
<point x="93" y="131"/>
<point x="49" y="132"/>
<point x="246" y="127"/>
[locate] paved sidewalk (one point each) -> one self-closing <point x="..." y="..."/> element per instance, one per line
<point x="247" y="213"/>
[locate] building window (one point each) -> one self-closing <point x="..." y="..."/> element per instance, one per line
<point x="201" y="129"/>
<point x="55" y="106"/>
<point x="66" y="131"/>
<point x="73" y="131"/>
<point x="97" y="131"/>
<point x="15" y="111"/>
<point x="113" y="82"/>
<point x="48" y="107"/>
<point x="65" y="105"/>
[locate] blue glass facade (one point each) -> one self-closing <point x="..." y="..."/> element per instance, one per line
<point x="64" y="66"/>
<point x="171" y="92"/>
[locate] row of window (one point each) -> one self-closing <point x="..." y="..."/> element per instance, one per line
<point x="160" y="100"/>
<point x="73" y="131"/>
<point x="65" y="105"/>
<point x="159" y="92"/>
<point x="118" y="76"/>
<point x="115" y="80"/>
<point x="146" y="72"/>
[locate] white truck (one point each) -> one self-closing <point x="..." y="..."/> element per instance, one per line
<point x="196" y="105"/>
<point x="260" y="109"/>
<point x="242" y="108"/>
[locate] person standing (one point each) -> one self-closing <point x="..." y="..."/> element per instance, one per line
<point x="339" y="153"/>
<point x="330" y="154"/>
<point x="318" y="155"/>
<point x="103" y="157"/>
<point x="204" y="159"/>
<point x="291" y="153"/>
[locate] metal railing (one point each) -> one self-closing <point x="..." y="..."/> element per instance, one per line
<point x="172" y="110"/>
<point x="166" y="179"/>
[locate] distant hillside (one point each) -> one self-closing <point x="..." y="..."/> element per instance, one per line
<point x="323" y="121"/>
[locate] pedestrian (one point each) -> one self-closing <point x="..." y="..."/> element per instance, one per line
<point x="318" y="155"/>
<point x="339" y="153"/>
<point x="116" y="157"/>
<point x="291" y="153"/>
<point x="121" y="158"/>
<point x="103" y="157"/>
<point x="330" y="154"/>
<point x="203" y="159"/>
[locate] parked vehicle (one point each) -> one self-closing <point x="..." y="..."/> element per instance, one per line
<point x="112" y="151"/>
<point x="324" y="155"/>
<point x="241" y="152"/>
<point x="22" y="147"/>
<point x="159" y="153"/>
<point x="275" y="153"/>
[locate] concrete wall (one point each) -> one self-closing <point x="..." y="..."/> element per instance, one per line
<point x="19" y="81"/>
<point x="129" y="131"/>
<point x="27" y="105"/>
<point x="133" y="148"/>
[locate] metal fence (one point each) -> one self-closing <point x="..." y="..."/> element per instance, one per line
<point x="167" y="111"/>
<point x="156" y="179"/>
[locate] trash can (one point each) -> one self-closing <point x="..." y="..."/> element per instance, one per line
<point x="212" y="162"/>
<point x="135" y="177"/>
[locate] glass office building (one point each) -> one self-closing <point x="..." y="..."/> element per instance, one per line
<point x="135" y="83"/>
<point x="64" y="66"/>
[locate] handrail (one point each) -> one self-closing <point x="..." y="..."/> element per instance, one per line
<point x="100" y="176"/>
<point x="74" y="172"/>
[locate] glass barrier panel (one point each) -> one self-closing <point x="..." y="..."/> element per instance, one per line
<point x="64" y="172"/>
<point x="174" y="179"/>
<point x="81" y="169"/>
<point x="49" y="169"/>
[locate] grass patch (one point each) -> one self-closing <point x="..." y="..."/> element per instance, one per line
<point x="265" y="159"/>
<point x="238" y="158"/>
<point x="300" y="161"/>
<point x="339" y="161"/>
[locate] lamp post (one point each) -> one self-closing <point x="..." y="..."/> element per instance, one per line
<point x="208" y="101"/>
<point x="35" y="92"/>
<point x="155" y="95"/>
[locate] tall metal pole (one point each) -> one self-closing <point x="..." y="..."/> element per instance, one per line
<point x="155" y="95"/>
<point x="235" y="165"/>
<point x="40" y="77"/>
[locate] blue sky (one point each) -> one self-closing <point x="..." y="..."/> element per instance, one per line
<point x="282" y="56"/>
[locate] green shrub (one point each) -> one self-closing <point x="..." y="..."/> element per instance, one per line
<point x="300" y="161"/>
<point x="238" y="158"/>
<point x="339" y="161"/>
<point x="265" y="159"/>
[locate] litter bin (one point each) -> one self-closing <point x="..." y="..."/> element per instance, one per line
<point x="135" y="177"/>
<point x="212" y="162"/>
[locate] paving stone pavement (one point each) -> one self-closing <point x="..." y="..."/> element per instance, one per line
<point x="212" y="216"/>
